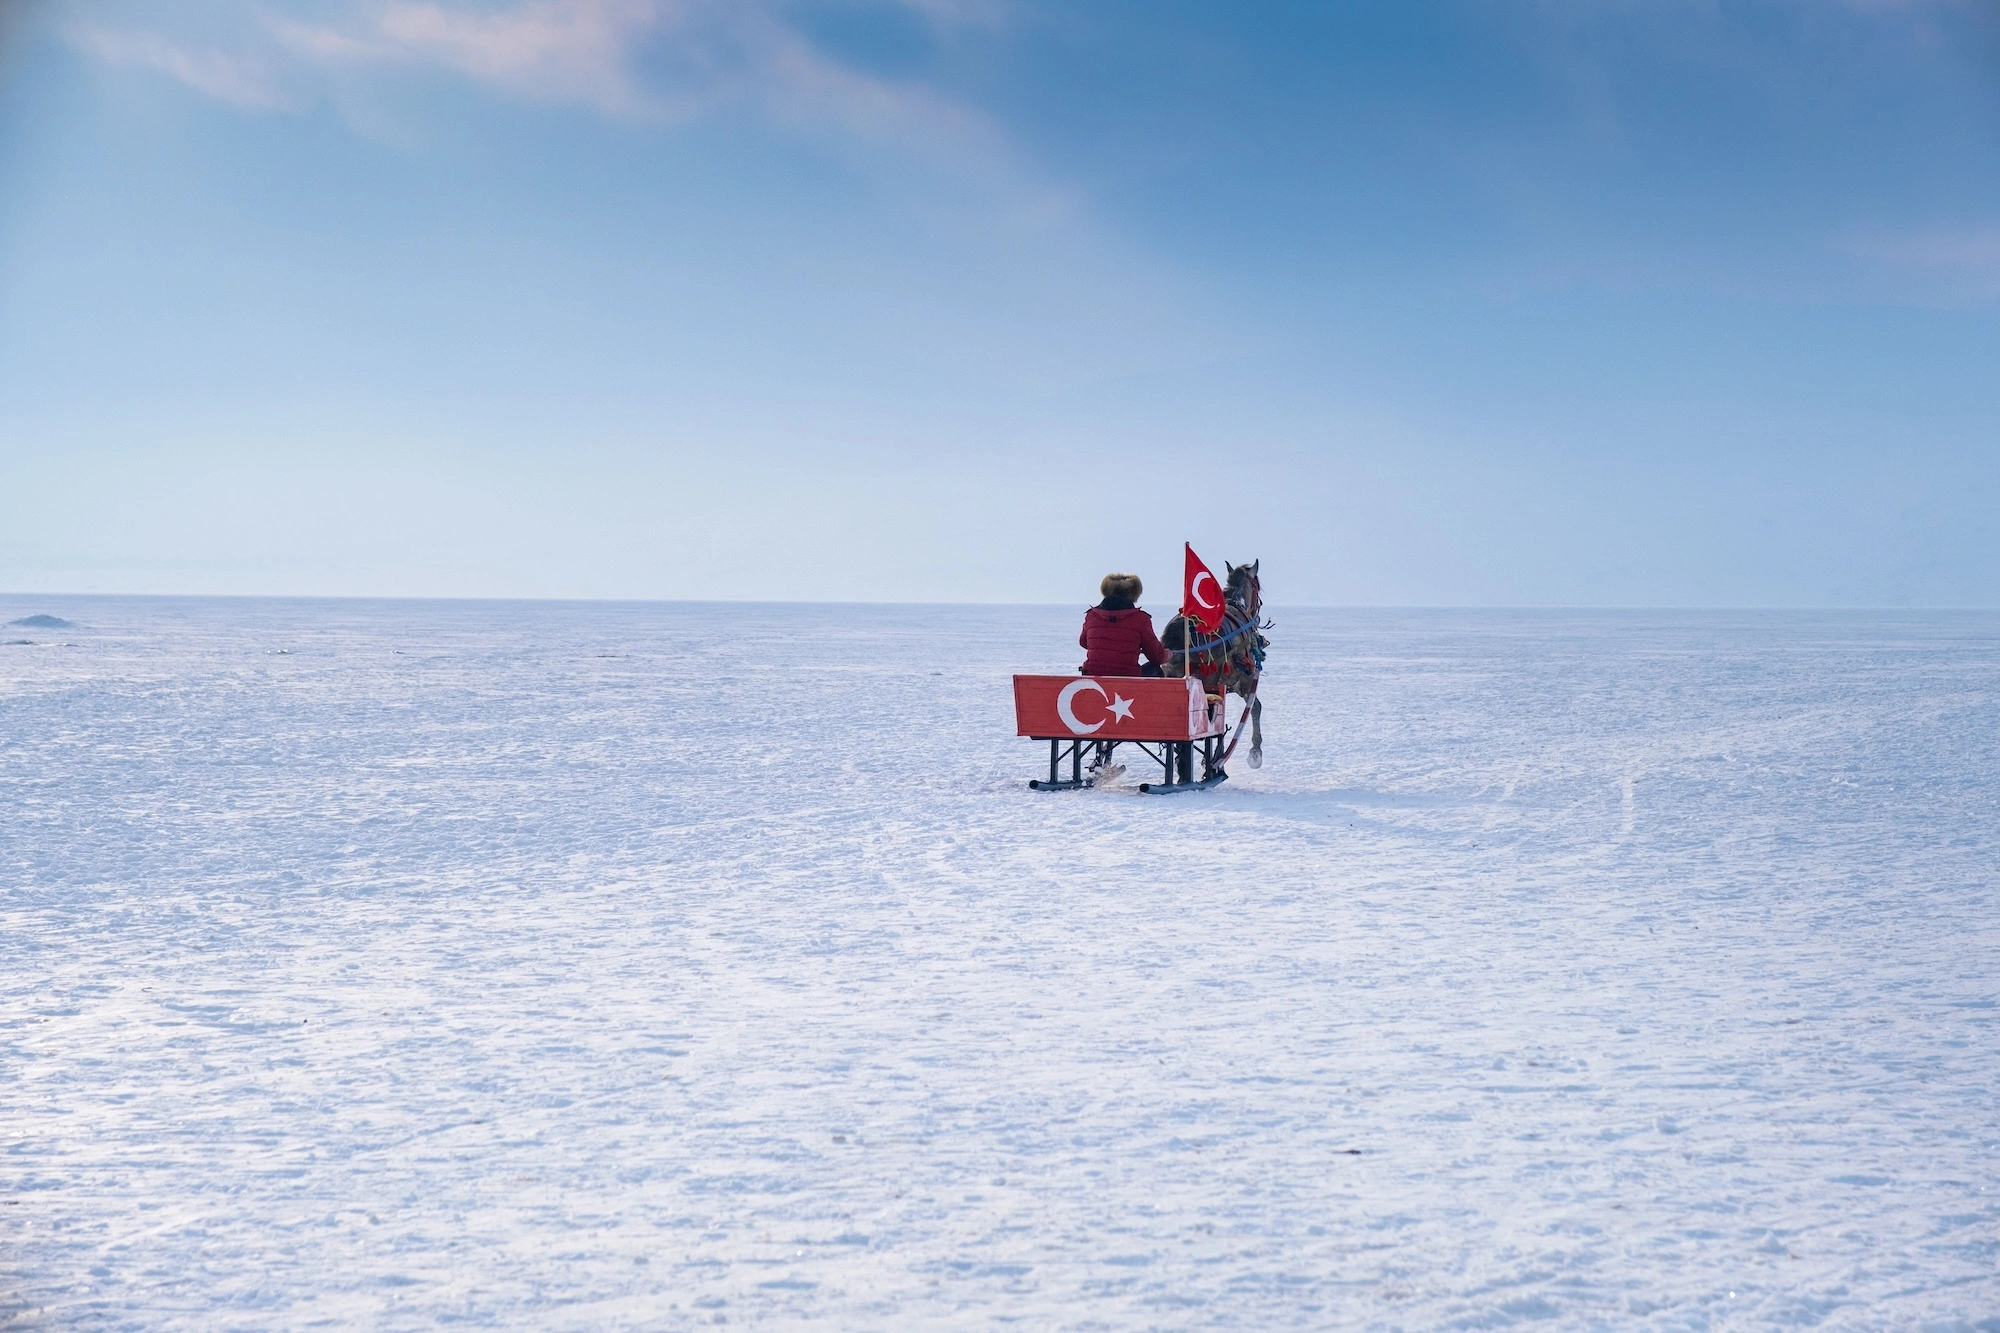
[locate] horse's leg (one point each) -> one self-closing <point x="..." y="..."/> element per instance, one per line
<point x="1256" y="732"/>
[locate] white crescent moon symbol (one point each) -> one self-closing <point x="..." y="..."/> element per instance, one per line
<point x="1195" y="590"/>
<point x="1069" y="693"/>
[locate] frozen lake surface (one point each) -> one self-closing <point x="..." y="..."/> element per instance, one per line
<point x="381" y="965"/>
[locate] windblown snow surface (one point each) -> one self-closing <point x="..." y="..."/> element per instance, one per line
<point x="385" y="965"/>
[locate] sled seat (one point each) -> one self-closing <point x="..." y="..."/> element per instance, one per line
<point x="1165" y="717"/>
<point x="1115" y="708"/>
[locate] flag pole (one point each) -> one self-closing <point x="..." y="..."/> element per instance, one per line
<point x="1187" y="660"/>
<point x="1187" y="629"/>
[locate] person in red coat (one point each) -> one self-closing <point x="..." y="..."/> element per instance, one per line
<point x="1116" y="632"/>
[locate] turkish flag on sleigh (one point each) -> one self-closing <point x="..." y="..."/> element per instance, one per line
<point x="1201" y="595"/>
<point x="1115" y="708"/>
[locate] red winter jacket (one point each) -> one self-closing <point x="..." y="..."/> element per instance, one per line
<point x="1114" y="636"/>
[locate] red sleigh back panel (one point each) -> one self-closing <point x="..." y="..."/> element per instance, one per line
<point x="1114" y="708"/>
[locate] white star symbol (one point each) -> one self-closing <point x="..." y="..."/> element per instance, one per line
<point x="1121" y="707"/>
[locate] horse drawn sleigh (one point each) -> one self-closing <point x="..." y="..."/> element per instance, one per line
<point x="1215" y="648"/>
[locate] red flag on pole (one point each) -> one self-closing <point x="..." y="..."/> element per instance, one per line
<point x="1201" y="595"/>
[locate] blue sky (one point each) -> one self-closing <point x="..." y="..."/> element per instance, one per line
<point x="1538" y="303"/>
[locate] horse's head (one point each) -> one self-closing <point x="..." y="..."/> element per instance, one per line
<point x="1244" y="592"/>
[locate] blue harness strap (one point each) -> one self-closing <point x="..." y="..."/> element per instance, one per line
<point x="1219" y="640"/>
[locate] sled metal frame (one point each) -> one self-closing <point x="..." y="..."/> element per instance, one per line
<point x="1175" y="758"/>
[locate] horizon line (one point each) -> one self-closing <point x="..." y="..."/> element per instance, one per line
<point x="916" y="602"/>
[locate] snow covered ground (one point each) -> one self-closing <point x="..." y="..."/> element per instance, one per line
<point x="381" y="965"/>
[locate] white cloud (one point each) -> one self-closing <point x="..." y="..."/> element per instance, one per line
<point x="240" y="79"/>
<point x="1953" y="263"/>
<point x="573" y="51"/>
<point x="1975" y="249"/>
<point x="634" y="60"/>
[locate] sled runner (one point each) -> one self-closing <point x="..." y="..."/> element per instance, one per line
<point x="1091" y="716"/>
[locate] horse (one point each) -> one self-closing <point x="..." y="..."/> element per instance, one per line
<point x="1229" y="663"/>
